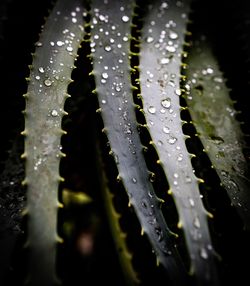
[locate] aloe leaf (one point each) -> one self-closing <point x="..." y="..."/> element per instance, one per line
<point x="119" y="236"/>
<point x="161" y="49"/>
<point x="213" y="114"/>
<point x="50" y="75"/>
<point x="111" y="33"/>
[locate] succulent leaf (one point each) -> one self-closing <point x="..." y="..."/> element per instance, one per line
<point x="119" y="236"/>
<point x="111" y="30"/>
<point x="50" y="75"/>
<point x="163" y="38"/>
<point x="214" y="116"/>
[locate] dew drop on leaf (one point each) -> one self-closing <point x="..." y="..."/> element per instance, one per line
<point x="60" y="43"/>
<point x="197" y="222"/>
<point x="125" y="18"/>
<point x="152" y="109"/>
<point x="203" y="253"/>
<point x="180" y="157"/>
<point x="105" y="75"/>
<point x="54" y="113"/>
<point x="171" y="49"/>
<point x="69" y="49"/>
<point x="159" y="143"/>
<point x="165" y="61"/>
<point x="166" y="129"/>
<point x="178" y="91"/>
<point x="173" y="35"/>
<point x="159" y="233"/>
<point x="41" y="70"/>
<point x="166" y="102"/>
<point x="191" y="202"/>
<point x="48" y="82"/>
<point x="188" y="179"/>
<point x="107" y="48"/>
<point x="144" y="204"/>
<point x="172" y="140"/>
<point x="149" y="40"/>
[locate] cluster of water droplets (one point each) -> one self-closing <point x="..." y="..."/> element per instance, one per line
<point x="162" y="87"/>
<point x="110" y="46"/>
<point x="207" y="84"/>
<point x="49" y="80"/>
<point x="53" y="70"/>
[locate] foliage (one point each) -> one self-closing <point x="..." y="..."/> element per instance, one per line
<point x="134" y="147"/>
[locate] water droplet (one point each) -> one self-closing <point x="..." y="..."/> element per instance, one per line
<point x="107" y="48"/>
<point x="178" y="91"/>
<point x="166" y="102"/>
<point x="210" y="70"/>
<point x="54" y="113"/>
<point x="188" y="179"/>
<point x="197" y="223"/>
<point x="159" y="233"/>
<point x="165" y="61"/>
<point x="173" y="35"/>
<point x="105" y="75"/>
<point x="149" y="40"/>
<point x="164" y="5"/>
<point x="171" y="49"/>
<point x="172" y="140"/>
<point x="175" y="183"/>
<point x="41" y="69"/>
<point x="166" y="129"/>
<point x="60" y="43"/>
<point x="203" y="253"/>
<point x="104" y="101"/>
<point x="191" y="201"/>
<point x="37" y="77"/>
<point x="125" y="38"/>
<point x="125" y="18"/>
<point x="152" y="177"/>
<point x="152" y="109"/>
<point x="69" y="49"/>
<point x="176" y="175"/>
<point x="144" y="204"/>
<point x="150" y="194"/>
<point x="180" y="157"/>
<point x="218" y="79"/>
<point x="160" y="143"/>
<point x="101" y="18"/>
<point x="117" y="88"/>
<point x="134" y="180"/>
<point x="127" y="129"/>
<point x="48" y="82"/>
<point x="116" y="158"/>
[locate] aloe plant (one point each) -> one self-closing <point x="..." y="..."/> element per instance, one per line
<point x="159" y="143"/>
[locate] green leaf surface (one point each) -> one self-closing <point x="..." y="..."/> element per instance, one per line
<point x="161" y="51"/>
<point x="50" y="75"/>
<point x="213" y="115"/>
<point x="111" y="33"/>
